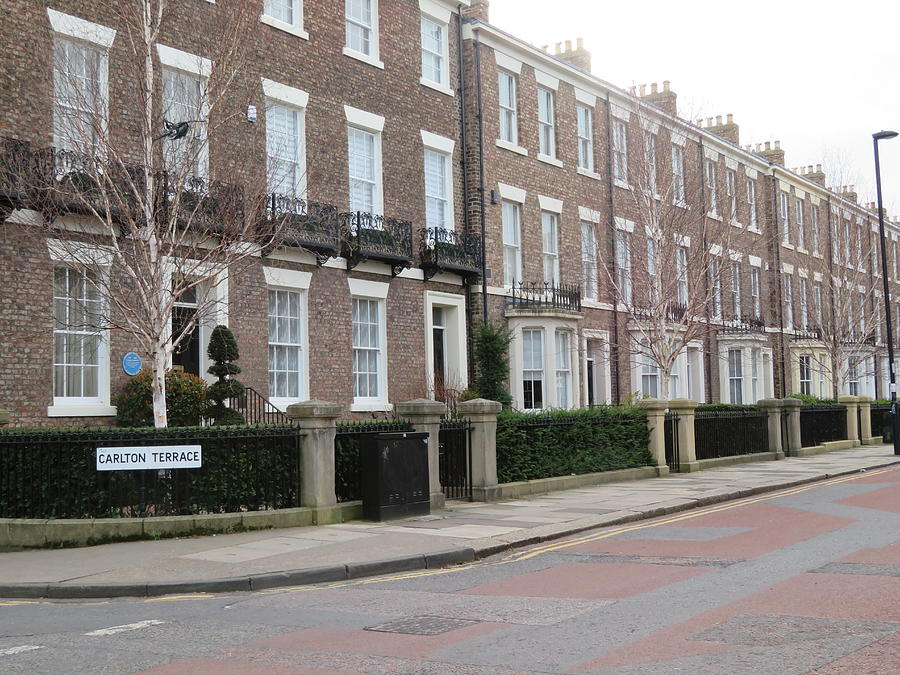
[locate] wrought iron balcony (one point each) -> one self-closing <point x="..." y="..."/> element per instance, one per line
<point x="371" y="237"/>
<point x="16" y="165"/>
<point x="807" y="334"/>
<point x="747" y="323"/>
<point x="305" y="224"/>
<point x="448" y="251"/>
<point x="543" y="295"/>
<point x="673" y="311"/>
<point x="204" y="205"/>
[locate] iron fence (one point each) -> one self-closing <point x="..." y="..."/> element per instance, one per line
<point x="348" y="439"/>
<point x="543" y="295"/>
<point x="446" y="250"/>
<point x="305" y="224"/>
<point x="52" y="473"/>
<point x="369" y="236"/>
<point x="822" y="423"/>
<point x="257" y="409"/>
<point x="455" y="459"/>
<point x="729" y="433"/>
<point x="671" y="436"/>
<point x="880" y="420"/>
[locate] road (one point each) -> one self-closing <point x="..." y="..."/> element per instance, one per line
<point x="806" y="580"/>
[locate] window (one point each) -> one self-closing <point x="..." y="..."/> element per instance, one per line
<point x="546" y="123"/>
<point x="434" y="52"/>
<point x="77" y="343"/>
<point x="650" y="159"/>
<point x="681" y="265"/>
<point x="731" y="193"/>
<point x="852" y="377"/>
<point x="652" y="269"/>
<point x="80" y="94"/>
<point x="754" y="375"/>
<point x="678" y="174"/>
<point x="847" y="243"/>
<point x="563" y="369"/>
<point x="801" y="235"/>
<point x="736" y="376"/>
<point x="736" y="289"/>
<point x="835" y="232"/>
<point x="751" y="202"/>
<point x="804" y="307"/>
<point x="362" y="27"/>
<point x="551" y="247"/>
<point x="509" y="123"/>
<point x="365" y="167"/>
<point x="711" y="186"/>
<point x="533" y="369"/>
<point x="817" y="302"/>
<point x="623" y="266"/>
<point x="285" y="149"/>
<point x="437" y="190"/>
<point x="512" y="253"/>
<point x="183" y="101"/>
<point x="859" y="249"/>
<point x="286" y="358"/>
<point x="368" y="349"/>
<point x="589" y="260"/>
<point x="788" y="301"/>
<point x="620" y="151"/>
<point x="814" y="229"/>
<point x="754" y="292"/>
<point x="285" y="14"/>
<point x="439" y="345"/>
<point x="785" y="221"/>
<point x="649" y="377"/>
<point x="585" y="138"/>
<point x="715" y="273"/>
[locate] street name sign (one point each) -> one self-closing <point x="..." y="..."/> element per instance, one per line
<point x="150" y="457"/>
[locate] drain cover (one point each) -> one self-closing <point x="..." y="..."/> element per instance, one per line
<point x="422" y="625"/>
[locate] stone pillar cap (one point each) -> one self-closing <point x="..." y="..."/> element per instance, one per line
<point x="478" y="406"/>
<point x="865" y="399"/>
<point x="653" y="404"/>
<point x="313" y="409"/>
<point x="421" y="406"/>
<point x="682" y="404"/>
<point x="791" y="402"/>
<point x="848" y="399"/>
<point x="770" y="403"/>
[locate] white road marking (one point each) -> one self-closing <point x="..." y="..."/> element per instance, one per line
<point x="19" y="650"/>
<point x="112" y="630"/>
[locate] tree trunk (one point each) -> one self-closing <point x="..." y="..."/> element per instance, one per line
<point x="160" y="416"/>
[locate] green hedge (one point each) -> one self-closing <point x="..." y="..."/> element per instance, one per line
<point x="567" y="442"/>
<point x="726" y="406"/>
<point x="813" y="400"/>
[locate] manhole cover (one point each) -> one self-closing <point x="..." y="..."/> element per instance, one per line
<point x="422" y="625"/>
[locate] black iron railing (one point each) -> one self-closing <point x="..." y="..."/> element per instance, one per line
<point x="729" y="433"/>
<point x="204" y="205"/>
<point x="448" y="251"/>
<point x="373" y="237"/>
<point x="455" y="459"/>
<point x="673" y="459"/>
<point x="880" y="420"/>
<point x="822" y="423"/>
<point x="347" y="463"/>
<point x="808" y="334"/>
<point x="745" y="324"/>
<point x="16" y="168"/>
<point x="673" y="311"/>
<point x="52" y="473"/>
<point x="305" y="224"/>
<point x="257" y="409"/>
<point x="543" y="295"/>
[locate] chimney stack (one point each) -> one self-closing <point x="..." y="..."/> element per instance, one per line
<point x="479" y="9"/>
<point x="665" y="99"/>
<point x="773" y="154"/>
<point x="727" y="130"/>
<point x="578" y="57"/>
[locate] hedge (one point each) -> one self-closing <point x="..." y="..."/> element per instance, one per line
<point x="569" y="442"/>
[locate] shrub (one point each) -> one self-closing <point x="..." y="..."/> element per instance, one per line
<point x="223" y="351"/>
<point x="492" y="363"/>
<point x="186" y="401"/>
<point x="813" y="400"/>
<point x="567" y="442"/>
<point x="726" y="407"/>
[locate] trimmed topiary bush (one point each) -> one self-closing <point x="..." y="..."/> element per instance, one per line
<point x="186" y="402"/>
<point x="223" y="351"/>
<point x="492" y="363"/>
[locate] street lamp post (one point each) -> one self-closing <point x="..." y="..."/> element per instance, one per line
<point x="895" y="423"/>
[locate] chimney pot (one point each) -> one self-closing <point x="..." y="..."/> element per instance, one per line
<point x="643" y="89"/>
<point x="718" y="120"/>
<point x="709" y="121"/>
<point x="580" y="43"/>
<point x="568" y="45"/>
<point x="559" y="47"/>
<point x="653" y="88"/>
<point x="778" y="145"/>
<point x="730" y="118"/>
<point x="768" y="145"/>
<point x="818" y="168"/>
<point x="666" y="84"/>
<point x="632" y="90"/>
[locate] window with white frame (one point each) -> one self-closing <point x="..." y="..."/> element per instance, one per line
<point x="801" y="234"/>
<point x="585" y="138"/>
<point x="533" y="369"/>
<point x="754" y="375"/>
<point x="78" y="345"/>
<point x="369" y="360"/>
<point x="817" y="302"/>
<point x="589" y="260"/>
<point x="546" y="122"/>
<point x="362" y="27"/>
<point x="751" y="202"/>
<point x="835" y="231"/>
<point x="736" y="376"/>
<point x="731" y="192"/>
<point x="736" y="289"/>
<point x="365" y="168"/>
<point x="847" y="243"/>
<point x="873" y="253"/>
<point x="438" y="190"/>
<point x="804" y="306"/>
<point x="784" y="212"/>
<point x="788" y="301"/>
<point x="754" y="292"/>
<point x="512" y="252"/>
<point x="652" y="269"/>
<point x="678" y="174"/>
<point x="649" y="377"/>
<point x="650" y="160"/>
<point x="285" y="153"/>
<point x="184" y="101"/>
<point x="859" y="248"/>
<point x="435" y="56"/>
<point x="284" y="14"/>
<point x="509" y="119"/>
<point x="681" y="271"/>
<point x="715" y="273"/>
<point x="711" y="187"/>
<point x="550" y="235"/>
<point x="853" y="377"/>
<point x="814" y="229"/>
<point x="79" y="94"/>
<point x="623" y="266"/>
<point x="286" y="340"/>
<point x="563" y="369"/>
<point x="620" y="151"/>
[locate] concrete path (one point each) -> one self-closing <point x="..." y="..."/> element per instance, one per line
<point x="462" y="532"/>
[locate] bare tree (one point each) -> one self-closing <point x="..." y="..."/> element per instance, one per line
<point x="155" y="240"/>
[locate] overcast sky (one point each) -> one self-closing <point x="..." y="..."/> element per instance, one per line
<point x="821" y="77"/>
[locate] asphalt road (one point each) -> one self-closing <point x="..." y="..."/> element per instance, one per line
<point x="806" y="580"/>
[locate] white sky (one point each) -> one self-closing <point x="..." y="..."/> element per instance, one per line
<point x="821" y="77"/>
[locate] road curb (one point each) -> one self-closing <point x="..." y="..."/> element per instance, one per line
<point x="479" y="549"/>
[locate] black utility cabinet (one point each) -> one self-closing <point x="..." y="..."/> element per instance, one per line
<point x="395" y="475"/>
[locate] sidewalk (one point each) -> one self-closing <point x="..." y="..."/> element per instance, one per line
<point x="463" y="532"/>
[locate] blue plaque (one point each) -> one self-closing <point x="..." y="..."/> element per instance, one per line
<point x="131" y="363"/>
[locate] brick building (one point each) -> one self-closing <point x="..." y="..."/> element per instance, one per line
<point x="402" y="158"/>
